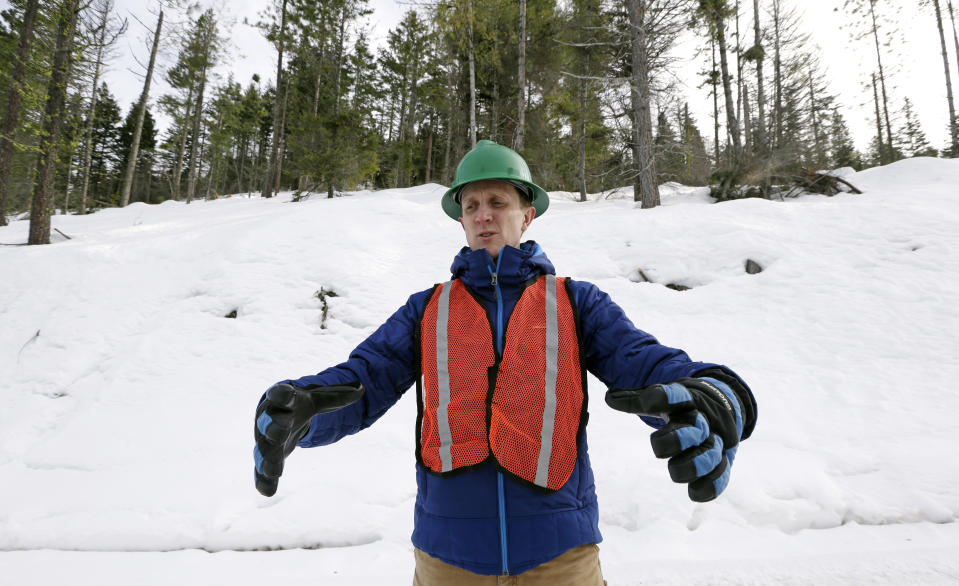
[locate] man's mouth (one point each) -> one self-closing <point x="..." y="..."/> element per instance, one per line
<point x="486" y="234"/>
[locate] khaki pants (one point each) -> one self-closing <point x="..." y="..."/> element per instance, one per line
<point x="577" y="567"/>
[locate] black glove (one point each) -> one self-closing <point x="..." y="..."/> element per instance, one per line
<point x="283" y="418"/>
<point x="704" y="426"/>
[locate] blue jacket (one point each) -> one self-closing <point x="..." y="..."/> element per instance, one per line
<point x="481" y="520"/>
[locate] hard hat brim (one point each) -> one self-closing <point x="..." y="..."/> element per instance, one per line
<point x="455" y="211"/>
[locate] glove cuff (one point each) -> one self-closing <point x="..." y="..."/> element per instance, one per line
<point x="733" y="401"/>
<point x="746" y="400"/>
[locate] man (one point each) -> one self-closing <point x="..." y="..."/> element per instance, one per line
<point x="499" y="355"/>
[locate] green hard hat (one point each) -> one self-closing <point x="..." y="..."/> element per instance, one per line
<point x="489" y="160"/>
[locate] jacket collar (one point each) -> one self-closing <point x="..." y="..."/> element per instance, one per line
<point x="514" y="266"/>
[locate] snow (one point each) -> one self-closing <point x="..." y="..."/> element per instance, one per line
<point x="126" y="427"/>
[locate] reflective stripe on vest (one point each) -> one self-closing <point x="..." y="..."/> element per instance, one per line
<point x="536" y="406"/>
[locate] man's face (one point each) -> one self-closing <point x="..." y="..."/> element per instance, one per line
<point x="493" y="215"/>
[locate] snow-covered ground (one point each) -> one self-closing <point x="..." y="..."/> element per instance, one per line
<point x="127" y="395"/>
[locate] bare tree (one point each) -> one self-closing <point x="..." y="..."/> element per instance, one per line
<point x="716" y="12"/>
<point x="41" y="204"/>
<point x="645" y="188"/>
<point x="472" y="62"/>
<point x="12" y="113"/>
<point x="141" y="113"/>
<point x="953" y="128"/>
<point x="102" y="11"/>
<point x="757" y="54"/>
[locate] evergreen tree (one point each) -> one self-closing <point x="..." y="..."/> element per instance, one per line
<point x="670" y="155"/>
<point x="913" y="139"/>
<point x="842" y="150"/>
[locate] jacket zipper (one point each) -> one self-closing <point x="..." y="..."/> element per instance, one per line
<point x="500" y="488"/>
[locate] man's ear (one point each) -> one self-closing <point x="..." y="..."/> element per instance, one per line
<point x="528" y="214"/>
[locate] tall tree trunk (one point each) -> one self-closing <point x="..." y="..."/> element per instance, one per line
<point x="194" y="143"/>
<point x="645" y="188"/>
<point x="715" y="84"/>
<point x="882" y="81"/>
<point x="181" y="147"/>
<point x="141" y="114"/>
<point x="732" y="124"/>
<point x="91" y="117"/>
<point x="339" y="67"/>
<point x="777" y="78"/>
<point x="429" y="149"/>
<point x="451" y="101"/>
<point x="747" y="123"/>
<point x="521" y="73"/>
<point x="953" y="128"/>
<point x="739" y="72"/>
<point x="760" y="88"/>
<point x="52" y="124"/>
<point x="818" y="155"/>
<point x="581" y="140"/>
<point x="269" y="179"/>
<point x="12" y="113"/>
<point x="879" y="143"/>
<point x="955" y="36"/>
<point x="472" y="60"/>
<point x="282" y="139"/>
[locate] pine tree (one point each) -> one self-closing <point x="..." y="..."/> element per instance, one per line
<point x="842" y="150"/>
<point x="914" y="143"/>
<point x="41" y="206"/>
<point x="12" y="109"/>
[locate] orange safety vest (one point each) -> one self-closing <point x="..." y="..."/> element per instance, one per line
<point x="525" y="411"/>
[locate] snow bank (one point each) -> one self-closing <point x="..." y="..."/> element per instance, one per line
<point x="128" y="395"/>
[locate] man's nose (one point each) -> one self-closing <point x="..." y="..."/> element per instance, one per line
<point x="483" y="213"/>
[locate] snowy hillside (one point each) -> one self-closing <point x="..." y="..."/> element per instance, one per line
<point x="128" y="397"/>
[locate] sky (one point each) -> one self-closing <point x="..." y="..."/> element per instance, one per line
<point x="126" y="433"/>
<point x="915" y="64"/>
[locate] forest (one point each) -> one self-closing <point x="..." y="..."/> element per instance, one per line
<point x="585" y="90"/>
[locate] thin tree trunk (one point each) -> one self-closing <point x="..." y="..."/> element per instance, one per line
<point x="581" y="140"/>
<point x="447" y="151"/>
<point x="52" y="124"/>
<point x="880" y="145"/>
<point x="777" y="77"/>
<point x="195" y="133"/>
<point x="494" y="109"/>
<point x="760" y="89"/>
<point x="715" y="84"/>
<point x="269" y="180"/>
<point x="472" y="61"/>
<point x="141" y="114"/>
<point x="817" y="143"/>
<point x="339" y="68"/>
<point x="181" y="148"/>
<point x="953" y="129"/>
<point x="731" y="123"/>
<point x="882" y="81"/>
<point x="12" y="113"/>
<point x="521" y="94"/>
<point x="955" y="37"/>
<point x="645" y="188"/>
<point x="739" y="72"/>
<point x="282" y="145"/>
<point x="429" y="150"/>
<point x="747" y="127"/>
<point x="91" y="118"/>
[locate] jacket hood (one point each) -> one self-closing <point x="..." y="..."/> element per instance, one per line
<point x="514" y="266"/>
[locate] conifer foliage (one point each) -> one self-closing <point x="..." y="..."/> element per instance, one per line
<point x="584" y="89"/>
